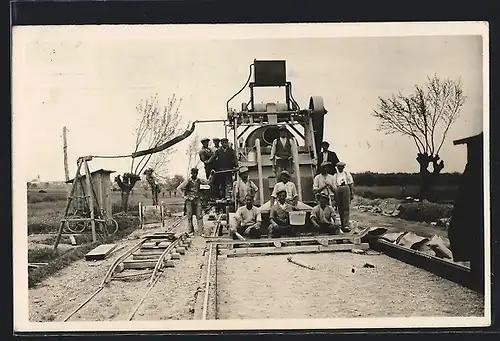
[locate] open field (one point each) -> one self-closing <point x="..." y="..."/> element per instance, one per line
<point x="440" y="193"/>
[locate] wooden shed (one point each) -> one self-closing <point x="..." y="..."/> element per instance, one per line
<point x="102" y="184"/>
<point x="466" y="231"/>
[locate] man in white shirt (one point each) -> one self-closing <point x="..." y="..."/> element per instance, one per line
<point x="282" y="152"/>
<point x="248" y="220"/>
<point x="344" y="193"/>
<point x="292" y="196"/>
<point x="324" y="183"/>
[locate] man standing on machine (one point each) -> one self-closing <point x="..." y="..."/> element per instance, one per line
<point x="205" y="153"/>
<point x="327" y="155"/>
<point x="282" y="152"/>
<point x="226" y="161"/>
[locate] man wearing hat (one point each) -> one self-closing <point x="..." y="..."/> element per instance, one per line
<point x="205" y="154"/>
<point x="324" y="183"/>
<point x="327" y="155"/>
<point x="282" y="152"/>
<point x="226" y="160"/>
<point x="279" y="219"/>
<point x="292" y="196"/>
<point x="216" y="142"/>
<point x="344" y="193"/>
<point x="243" y="187"/>
<point x="323" y="215"/>
<point x="190" y="189"/>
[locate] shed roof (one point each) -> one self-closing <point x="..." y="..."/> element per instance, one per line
<point x="105" y="171"/>
<point x="468" y="139"/>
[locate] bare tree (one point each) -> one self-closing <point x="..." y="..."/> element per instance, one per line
<point x="426" y="116"/>
<point x="156" y="125"/>
<point x="192" y="153"/>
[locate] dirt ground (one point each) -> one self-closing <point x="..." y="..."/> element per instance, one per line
<point x="267" y="287"/>
<point x="59" y="295"/>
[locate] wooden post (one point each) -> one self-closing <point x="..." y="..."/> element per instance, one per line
<point x="68" y="203"/>
<point x="297" y="168"/>
<point x="91" y="200"/>
<point x="65" y="153"/>
<point x="259" y="169"/>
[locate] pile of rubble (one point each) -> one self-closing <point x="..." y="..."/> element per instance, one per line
<point x="394" y="208"/>
<point x="435" y="246"/>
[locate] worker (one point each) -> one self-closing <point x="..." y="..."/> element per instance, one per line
<point x="324" y="183"/>
<point x="327" y="155"/>
<point x="323" y="215"/>
<point x="226" y="161"/>
<point x="248" y="219"/>
<point x="282" y="152"/>
<point x="190" y="189"/>
<point x="216" y="142"/>
<point x="344" y="193"/>
<point x="279" y="219"/>
<point x="205" y="153"/>
<point x="292" y="196"/>
<point x="243" y="187"/>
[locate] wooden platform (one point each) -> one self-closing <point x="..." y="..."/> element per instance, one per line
<point x="100" y="252"/>
<point x="246" y="251"/>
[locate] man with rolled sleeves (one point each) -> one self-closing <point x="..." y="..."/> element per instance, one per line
<point x="323" y="215"/>
<point x="279" y="219"/>
<point x="248" y="220"/>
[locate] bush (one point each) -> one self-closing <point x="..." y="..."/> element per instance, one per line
<point x="424" y="211"/>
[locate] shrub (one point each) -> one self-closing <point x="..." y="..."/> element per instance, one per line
<point x="424" y="211"/>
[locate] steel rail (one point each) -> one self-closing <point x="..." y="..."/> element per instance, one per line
<point x="120" y="259"/>
<point x="209" y="270"/>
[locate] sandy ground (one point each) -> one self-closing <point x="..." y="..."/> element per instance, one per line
<point x="271" y="287"/>
<point x="57" y="296"/>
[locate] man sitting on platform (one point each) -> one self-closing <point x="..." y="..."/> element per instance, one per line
<point x="248" y="220"/>
<point x="279" y="218"/>
<point x="292" y="196"/>
<point x="323" y="216"/>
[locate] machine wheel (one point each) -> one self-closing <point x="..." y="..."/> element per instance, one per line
<point x="76" y="226"/>
<point x="316" y="104"/>
<point x="111" y="226"/>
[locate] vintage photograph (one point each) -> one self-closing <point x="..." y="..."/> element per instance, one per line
<point x="298" y="176"/>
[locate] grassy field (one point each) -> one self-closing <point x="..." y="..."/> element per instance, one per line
<point x="440" y="193"/>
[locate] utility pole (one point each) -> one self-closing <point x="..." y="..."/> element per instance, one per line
<point x="65" y="151"/>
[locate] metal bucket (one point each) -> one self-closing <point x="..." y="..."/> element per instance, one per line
<point x="252" y="156"/>
<point x="297" y="218"/>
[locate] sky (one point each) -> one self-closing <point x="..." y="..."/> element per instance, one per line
<point x="91" y="80"/>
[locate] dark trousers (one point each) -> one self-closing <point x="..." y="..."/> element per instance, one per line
<point x="253" y="233"/>
<point x="281" y="165"/>
<point x="281" y="230"/>
<point x="325" y="228"/>
<point x="222" y="184"/>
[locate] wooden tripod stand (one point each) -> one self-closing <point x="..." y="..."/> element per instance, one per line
<point x="89" y="197"/>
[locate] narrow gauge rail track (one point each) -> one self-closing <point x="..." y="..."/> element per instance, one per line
<point x="155" y="251"/>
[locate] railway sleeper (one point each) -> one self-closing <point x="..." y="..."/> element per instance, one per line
<point x="145" y="264"/>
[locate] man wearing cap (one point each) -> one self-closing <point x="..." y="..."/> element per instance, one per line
<point x="279" y="219"/>
<point x="282" y="152"/>
<point x="190" y="189"/>
<point x="323" y="215"/>
<point x="344" y="193"/>
<point x="327" y="155"/>
<point x="243" y="187"/>
<point x="292" y="196"/>
<point x="216" y="142"/>
<point x="226" y="160"/>
<point x="205" y="153"/>
<point x="324" y="183"/>
<point x="248" y="220"/>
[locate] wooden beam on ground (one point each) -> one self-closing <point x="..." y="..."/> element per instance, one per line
<point x="144" y="264"/>
<point x="100" y="252"/>
<point x="291" y="260"/>
<point x="319" y="240"/>
<point x="293" y="249"/>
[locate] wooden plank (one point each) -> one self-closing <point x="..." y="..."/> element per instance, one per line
<point x="150" y="252"/>
<point x="73" y="240"/>
<point x="145" y="257"/>
<point x="100" y="252"/>
<point x="293" y="249"/>
<point x="145" y="264"/>
<point x="281" y="240"/>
